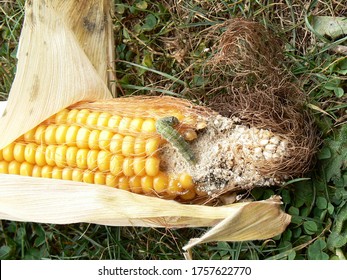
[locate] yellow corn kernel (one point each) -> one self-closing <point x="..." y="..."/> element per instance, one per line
<point x="77" y="175"/>
<point x="92" y="118"/>
<point x="82" y="138"/>
<point x="71" y="116"/>
<point x="148" y="126"/>
<point x="116" y="143"/>
<point x="116" y="164"/>
<point x="128" y="167"/>
<point x="57" y="173"/>
<point x="128" y="146"/>
<point x="61" y="116"/>
<point x="103" y="160"/>
<point x="92" y="159"/>
<point x="114" y="121"/>
<point x="60" y="134"/>
<point x="50" y="133"/>
<point x="188" y="195"/>
<point x="82" y="116"/>
<point x="40" y="155"/>
<point x="71" y="135"/>
<point x="26" y="169"/>
<point x="29" y="136"/>
<point x="40" y="134"/>
<point x="1" y="157"/>
<point x="174" y="187"/>
<point x="93" y="140"/>
<point x="136" y="125"/>
<point x="66" y="173"/>
<point x="29" y="152"/>
<point x="18" y="152"/>
<point x="60" y="156"/>
<point x="99" y="178"/>
<point x="160" y="182"/>
<point x="71" y="156"/>
<point x="81" y="158"/>
<point x="50" y="155"/>
<point x="178" y="115"/>
<point x="135" y="184"/>
<point x="103" y="119"/>
<point x="37" y="171"/>
<point x="105" y="139"/>
<point x="4" y="167"/>
<point x="88" y="177"/>
<point x="7" y="152"/>
<point x="152" y="146"/>
<point x="139" y="166"/>
<point x="186" y="181"/>
<point x="123" y="183"/>
<point x="147" y="184"/>
<point x="111" y="180"/>
<point x="124" y="125"/>
<point x="14" y="167"/>
<point x="140" y="146"/>
<point x="152" y="166"/>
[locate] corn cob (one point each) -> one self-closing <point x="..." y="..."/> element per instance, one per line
<point x="155" y="146"/>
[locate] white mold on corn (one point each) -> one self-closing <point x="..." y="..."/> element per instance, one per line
<point x="229" y="155"/>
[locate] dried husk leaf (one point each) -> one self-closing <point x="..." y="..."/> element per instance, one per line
<point x="64" y="202"/>
<point x="53" y="70"/>
<point x="91" y="23"/>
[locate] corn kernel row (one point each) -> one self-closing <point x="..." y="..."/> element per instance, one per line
<point x="160" y="184"/>
<point x="105" y="120"/>
<point x="65" y="156"/>
<point x="85" y="138"/>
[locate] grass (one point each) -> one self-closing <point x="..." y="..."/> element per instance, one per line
<point x="161" y="49"/>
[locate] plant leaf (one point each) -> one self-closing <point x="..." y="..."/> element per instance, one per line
<point x="150" y="23"/>
<point x="316" y="250"/>
<point x="327" y="26"/>
<point x="310" y="227"/>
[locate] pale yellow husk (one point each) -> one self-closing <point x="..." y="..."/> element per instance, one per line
<point x="56" y="63"/>
<point x="62" y="202"/>
<point x="59" y="65"/>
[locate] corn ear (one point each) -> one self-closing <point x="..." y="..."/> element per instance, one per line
<point x="55" y="71"/>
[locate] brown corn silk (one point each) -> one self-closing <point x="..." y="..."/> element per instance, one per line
<point x="62" y="60"/>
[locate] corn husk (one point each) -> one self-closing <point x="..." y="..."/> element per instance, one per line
<point x="63" y="202"/>
<point x="56" y="69"/>
<point x="56" y="62"/>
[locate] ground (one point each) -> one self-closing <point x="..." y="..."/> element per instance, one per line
<point x="168" y="36"/>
